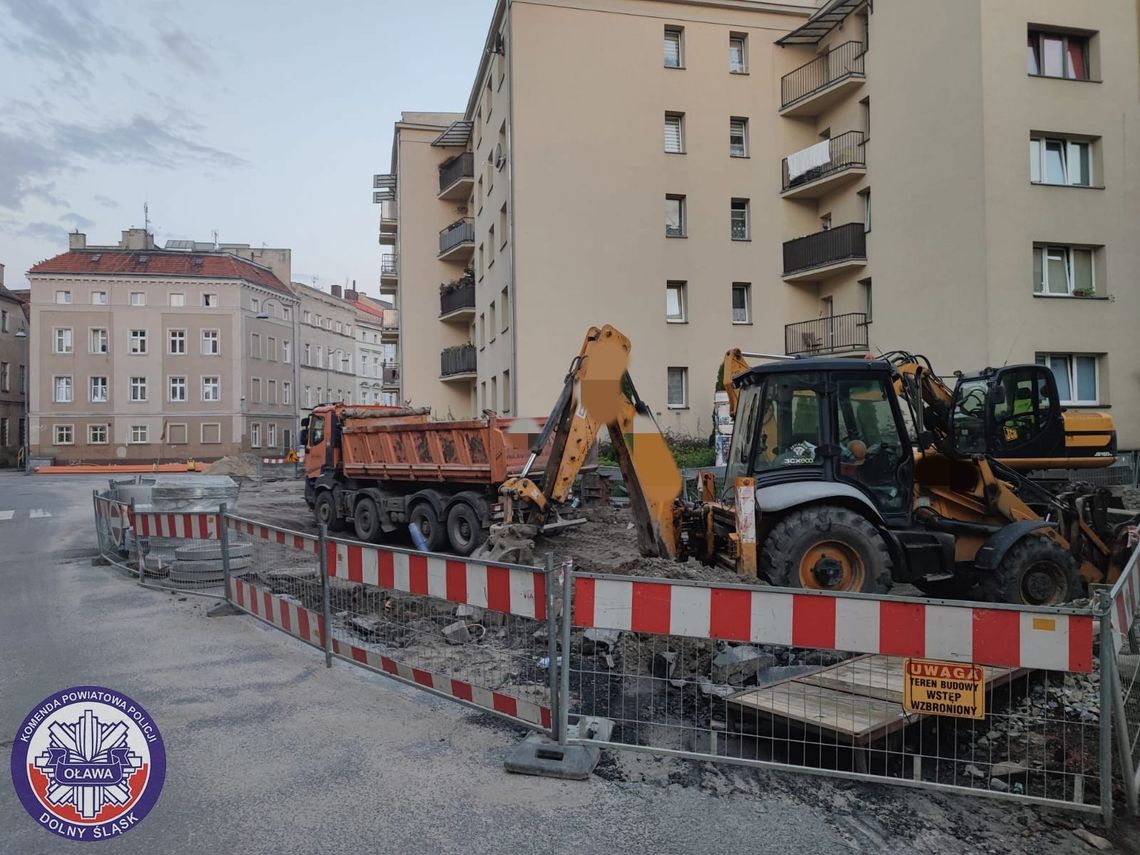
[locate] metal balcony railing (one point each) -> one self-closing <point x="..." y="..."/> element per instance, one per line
<point x="456" y="169"/>
<point x="459" y="232"/>
<point x="462" y="297"/>
<point x="845" y="60"/>
<point x="832" y="334"/>
<point x="389" y="264"/>
<point x="830" y="246"/>
<point x="384" y="187"/>
<point x="391" y="373"/>
<point x="845" y="151"/>
<point x="391" y="320"/>
<point x="457" y="360"/>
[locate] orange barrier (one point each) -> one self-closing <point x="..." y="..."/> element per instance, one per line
<point x="120" y="468"/>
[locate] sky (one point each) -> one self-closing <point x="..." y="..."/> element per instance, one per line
<point x="263" y="121"/>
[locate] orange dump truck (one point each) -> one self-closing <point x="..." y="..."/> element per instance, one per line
<point x="377" y="469"/>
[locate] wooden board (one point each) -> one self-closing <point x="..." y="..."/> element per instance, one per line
<point x="858" y="701"/>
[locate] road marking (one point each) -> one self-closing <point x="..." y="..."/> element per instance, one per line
<point x="36" y="513"/>
<point x="6" y="515"/>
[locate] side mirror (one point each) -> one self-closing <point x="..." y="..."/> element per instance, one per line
<point x="305" y="422"/>
<point x="304" y="437"/>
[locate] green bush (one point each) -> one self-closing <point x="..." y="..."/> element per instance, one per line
<point x="689" y="452"/>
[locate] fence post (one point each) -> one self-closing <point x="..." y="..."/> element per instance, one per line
<point x="564" y="671"/>
<point x="224" y="539"/>
<point x="138" y="545"/>
<point x="552" y="627"/>
<point x="98" y="525"/>
<point x="326" y="606"/>
<point x="1136" y="470"/>
<point x="1107" y="662"/>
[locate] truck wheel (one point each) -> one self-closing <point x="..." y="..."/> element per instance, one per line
<point x="424" y="517"/>
<point x="325" y="511"/>
<point x="464" y="529"/>
<point x="827" y="548"/>
<point x="366" y="520"/>
<point x="1035" y="572"/>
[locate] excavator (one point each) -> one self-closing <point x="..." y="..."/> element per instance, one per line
<point x="850" y="475"/>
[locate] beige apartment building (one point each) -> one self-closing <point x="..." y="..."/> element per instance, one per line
<point x="327" y="346"/>
<point x="149" y="354"/>
<point x="705" y="181"/>
<point x="13" y="374"/>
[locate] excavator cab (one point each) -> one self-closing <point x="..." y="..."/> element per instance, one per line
<point x="1013" y="412"/>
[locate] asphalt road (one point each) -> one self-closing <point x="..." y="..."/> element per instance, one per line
<point x="269" y="751"/>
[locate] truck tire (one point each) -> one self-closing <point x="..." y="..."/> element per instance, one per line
<point x="464" y="530"/>
<point x="366" y="520"/>
<point x="1034" y="572"/>
<point x="827" y="548"/>
<point x="325" y="511"/>
<point x="424" y="517"/>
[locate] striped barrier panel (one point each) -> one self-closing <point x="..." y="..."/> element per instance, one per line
<point x="1125" y="599"/>
<point x="196" y="526"/>
<point x="1003" y="637"/>
<point x="284" y="614"/>
<point x="112" y="521"/>
<point x="271" y="534"/>
<point x="276" y="461"/>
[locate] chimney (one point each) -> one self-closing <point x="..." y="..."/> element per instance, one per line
<point x="77" y="240"/>
<point x="1" y="274"/>
<point x="338" y="292"/>
<point x="352" y="295"/>
<point x="136" y="239"/>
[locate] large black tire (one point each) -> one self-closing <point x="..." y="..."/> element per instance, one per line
<point x="464" y="530"/>
<point x="424" y="517"/>
<point x="325" y="511"/>
<point x="1034" y="572"/>
<point x="366" y="520"/>
<point x="828" y="548"/>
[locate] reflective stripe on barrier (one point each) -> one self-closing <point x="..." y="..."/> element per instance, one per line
<point x="1126" y="599"/>
<point x="292" y="539"/>
<point x="198" y="526"/>
<point x="1013" y="638"/>
<point x="296" y="620"/>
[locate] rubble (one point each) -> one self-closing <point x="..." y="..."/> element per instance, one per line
<point x="739" y="665"/>
<point x="1007" y="768"/>
<point x="1093" y="840"/>
<point x="599" y="640"/>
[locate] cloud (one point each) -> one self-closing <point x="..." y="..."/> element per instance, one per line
<point x="66" y="32"/>
<point x="28" y="164"/>
<point x="77" y="220"/>
<point x="186" y="49"/>
<point x="48" y="232"/>
<point x="105" y="201"/>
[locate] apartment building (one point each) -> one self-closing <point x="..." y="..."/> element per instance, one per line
<point x="377" y="336"/>
<point x="706" y="181"/>
<point x="327" y="346"/>
<point x="13" y="374"/>
<point x="149" y="354"/>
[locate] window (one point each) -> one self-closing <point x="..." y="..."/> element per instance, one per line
<point x="308" y="397"/>
<point x="320" y="357"/>
<point x="210" y="301"/>
<point x="177" y="300"/>
<point x="255" y="345"/>
<point x="506" y="391"/>
<point x="3" y="320"/>
<point x="287" y="314"/>
<point x="675" y="302"/>
<point x="98" y="391"/>
<point x="5" y="376"/>
<point x="741" y="303"/>
<point x="505" y="309"/>
<point x="97" y="340"/>
<point x="286" y="392"/>
<point x="1064" y="271"/>
<point x="5" y="439"/>
<point x="307" y="352"/>
<point x="138" y="342"/>
<point x="738" y="137"/>
<point x="62" y="389"/>
<point x="1077" y="376"/>
<point x="140" y="434"/>
<point x="211" y="433"/>
<point x="674" y="47"/>
<point x="62" y="341"/>
<point x="211" y="388"/>
<point x="176" y="434"/>
<point x="1060" y="161"/>
<point x="98" y="298"/>
<point x="338" y="327"/>
<point x="868" y="302"/>
<point x="177" y="390"/>
<point x="64" y="435"/>
<point x="63" y="297"/>
<point x="738" y="53"/>
<point x="23" y="379"/>
<point x="271" y="349"/>
<point x="678" y="391"/>
<point x="271" y="434"/>
<point x="1055" y="54"/>
<point x="287" y="352"/>
<point x="674" y="216"/>
<point x="255" y="304"/>
<point x="491" y="318"/>
<point x="138" y="388"/>
<point x="176" y="342"/>
<point x="503" y="226"/>
<point x="675" y="133"/>
<point x="138" y="298"/>
<point x="865" y="114"/>
<point x="307" y="317"/>
<point x="96" y="434"/>
<point x="255" y="435"/>
<point x="211" y="343"/>
<point x="866" y="194"/>
<point x="271" y="392"/>
<point x="255" y="390"/>
<point x="739" y="215"/>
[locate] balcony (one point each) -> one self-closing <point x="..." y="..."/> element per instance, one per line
<point x="390" y="325"/>
<point x="388" y="224"/>
<point x="833" y="335"/>
<point x="817" y="85"/>
<point x="383" y="189"/>
<point x="457" y="363"/>
<point x="457" y="241"/>
<point x="457" y="176"/>
<point x="824" y="167"/>
<point x="457" y="301"/>
<point x="389" y="272"/>
<point x="390" y="376"/>
<point x="825" y="254"/>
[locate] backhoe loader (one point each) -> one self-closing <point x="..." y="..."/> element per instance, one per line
<point x="842" y="476"/>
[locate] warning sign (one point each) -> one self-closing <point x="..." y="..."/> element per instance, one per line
<point x="944" y="688"/>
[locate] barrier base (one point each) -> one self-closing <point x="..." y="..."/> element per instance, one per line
<point x="224" y="610"/>
<point x="538" y="754"/>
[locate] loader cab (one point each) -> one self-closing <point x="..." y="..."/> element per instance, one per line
<point x="1014" y="412"/>
<point x="836" y="422"/>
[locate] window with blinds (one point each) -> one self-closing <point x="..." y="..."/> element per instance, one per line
<point x="678" y="391"/>
<point x="673" y="47"/>
<point x="738" y="137"/>
<point x="674" y="133"/>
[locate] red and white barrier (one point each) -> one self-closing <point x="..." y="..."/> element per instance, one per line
<point x="301" y="542"/>
<point x="510" y="590"/>
<point x="199" y="526"/>
<point x="984" y="636"/>
<point x="296" y="620"/>
<point x="1126" y="599"/>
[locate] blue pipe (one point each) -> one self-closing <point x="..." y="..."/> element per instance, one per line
<point x="417" y="537"/>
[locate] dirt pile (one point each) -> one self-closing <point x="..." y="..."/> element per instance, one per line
<point x="236" y="466"/>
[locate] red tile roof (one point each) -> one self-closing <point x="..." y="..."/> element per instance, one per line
<point x="366" y="305"/>
<point x="122" y="262"/>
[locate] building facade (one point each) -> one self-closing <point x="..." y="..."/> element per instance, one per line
<point x="148" y="354"/>
<point x="327" y="346"/>
<point x="713" y="188"/>
<point x="377" y="337"/>
<point x="13" y="375"/>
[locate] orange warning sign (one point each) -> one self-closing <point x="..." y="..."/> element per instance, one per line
<point x="952" y="689"/>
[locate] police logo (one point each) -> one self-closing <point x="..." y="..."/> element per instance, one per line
<point x="88" y="763"/>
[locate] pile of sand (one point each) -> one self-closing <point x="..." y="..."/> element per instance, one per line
<point x="237" y="466"/>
